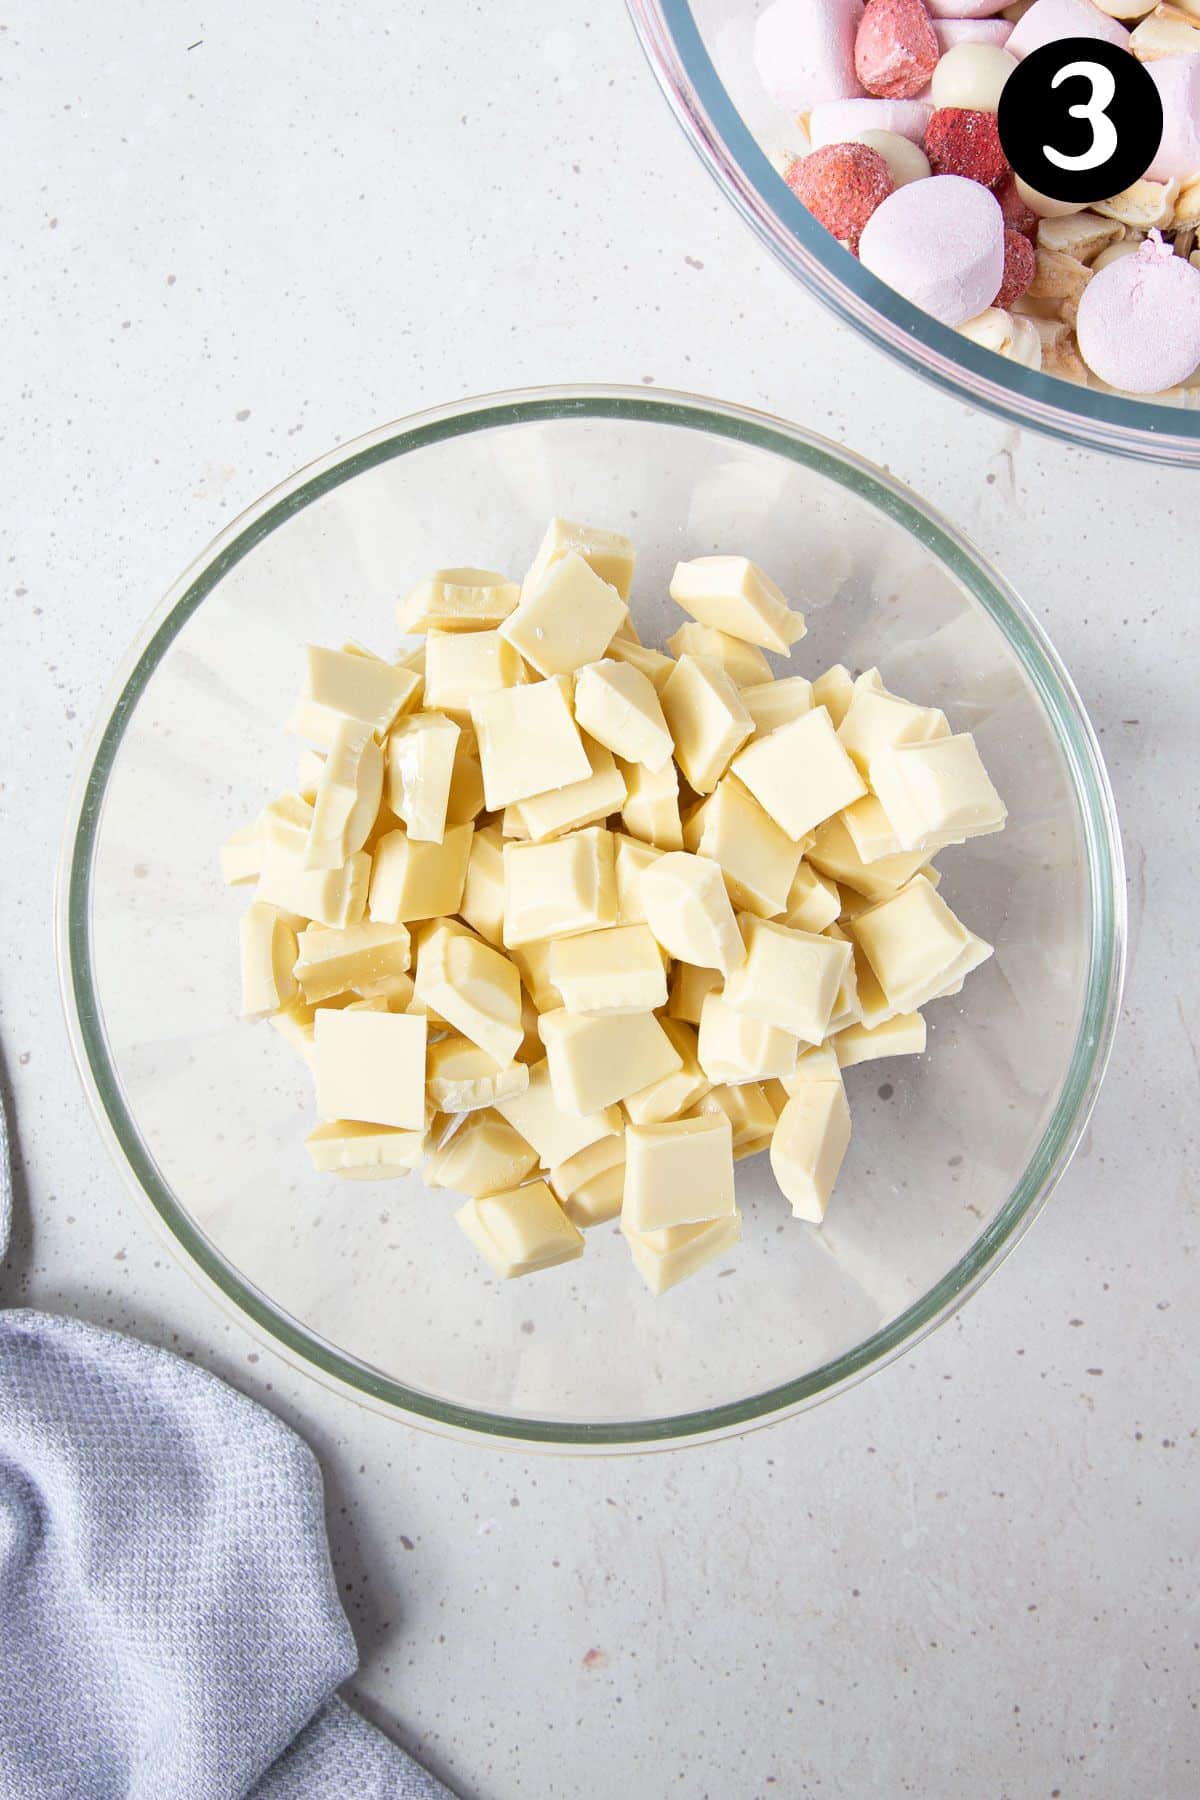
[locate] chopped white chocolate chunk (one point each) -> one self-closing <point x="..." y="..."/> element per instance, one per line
<point x="813" y="901"/>
<point x="937" y="793"/>
<point x="630" y="858"/>
<point x="619" y="707"/>
<point x="330" y="896"/>
<point x="473" y="987"/>
<point x="743" y="663"/>
<point x="671" y="1095"/>
<point x="656" y="667"/>
<point x="463" y="666"/>
<point x="460" y="1077"/>
<point x="916" y="946"/>
<point x="747" y="1108"/>
<point x="414" y="880"/>
<point x="566" y="619"/>
<point x="707" y="720"/>
<point x="533" y="961"/>
<point x="789" y="978"/>
<point x="679" y="1173"/>
<point x="833" y="853"/>
<point x="733" y="595"/>
<point x="811" y="1137"/>
<point x="650" y="810"/>
<point x="359" y="1152"/>
<point x="283" y="828"/>
<point x="419" y="768"/>
<point x="294" y="1023"/>
<point x="555" y="1134"/>
<point x="346" y="684"/>
<point x="567" y="885"/>
<point x="528" y="741"/>
<point x="757" y="858"/>
<point x="870" y="830"/>
<point x="465" y="799"/>
<point x="348" y="796"/>
<point x="733" y="1047"/>
<point x="834" y="690"/>
<point x="665" y="1258"/>
<point x="591" y="1184"/>
<point x="597" y="1060"/>
<point x="618" y="970"/>
<point x="817" y="1064"/>
<point x="580" y="803"/>
<point x="268" y="946"/>
<point x="370" y="1066"/>
<point x="362" y="959"/>
<point x="774" y="703"/>
<point x="687" y="987"/>
<point x="799" y="773"/>
<point x="877" y="720"/>
<point x="607" y="553"/>
<point x="902" y="1035"/>
<point x="458" y="600"/>
<point x="483" y="1155"/>
<point x="521" y="1231"/>
<point x="482" y="904"/>
<point x="688" y="909"/>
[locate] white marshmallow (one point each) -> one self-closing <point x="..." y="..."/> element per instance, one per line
<point x="1048" y="20"/>
<point x="940" y="243"/>
<point x="804" y="51"/>
<point x="1177" y="79"/>
<point x="841" y="121"/>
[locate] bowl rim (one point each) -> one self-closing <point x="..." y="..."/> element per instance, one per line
<point x="679" y="59"/>
<point x="1060" y="702"/>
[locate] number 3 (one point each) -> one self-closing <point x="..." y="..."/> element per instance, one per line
<point x="1104" y="132"/>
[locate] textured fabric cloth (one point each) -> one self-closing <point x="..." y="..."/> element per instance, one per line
<point x="169" y="1625"/>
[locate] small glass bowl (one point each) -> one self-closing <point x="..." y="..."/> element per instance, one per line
<point x="371" y="1286"/>
<point x="700" y="51"/>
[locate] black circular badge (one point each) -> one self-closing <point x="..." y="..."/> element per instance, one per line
<point x="1080" y="120"/>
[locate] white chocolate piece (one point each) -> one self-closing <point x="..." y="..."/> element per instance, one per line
<point x="359" y="1152"/>
<point x="656" y="667"/>
<point x="744" y="663"/>
<point x="679" y="1173"/>
<point x="461" y="1078"/>
<point x="904" y="1034"/>
<point x="834" y="854"/>
<point x="462" y="666"/>
<point x="335" y="897"/>
<point x="458" y="600"/>
<point x="789" y="978"/>
<point x="906" y="161"/>
<point x="650" y="810"/>
<point x="528" y="741"/>
<point x="619" y="970"/>
<point x="580" y="802"/>
<point x="665" y="1258"/>
<point x="482" y="903"/>
<point x="818" y="1064"/>
<point x="619" y="707"/>
<point x="972" y="76"/>
<point x="348" y="684"/>
<point x="688" y="909"/>
<point x="595" y="1061"/>
<point x="809" y="1144"/>
<point x="364" y="959"/>
<point x="533" y="961"/>
<point x="591" y="1184"/>
<point x="240" y="857"/>
<point x="295" y="1026"/>
<point x="1165" y="33"/>
<point x="733" y="595"/>
<point x="688" y="986"/>
<point x="707" y="720"/>
<point x="554" y="889"/>
<point x="473" y="987"/>
<point x="370" y="1066"/>
<point x="608" y="554"/>
<point x="774" y="703"/>
<point x="800" y="774"/>
<point x="915" y="945"/>
<point x="937" y="793"/>
<point x="268" y="947"/>
<point x="870" y="830"/>
<point x="748" y="1110"/>
<point x="1042" y="204"/>
<point x="520" y="1232"/>
<point x="484" y="1155"/>
<point x="813" y="901"/>
<point x="567" y="619"/>
<point x="309" y="767"/>
<point x="415" y="880"/>
<point x="834" y="690"/>
<point x="465" y="799"/>
<point x="877" y="720"/>
<point x="671" y="1095"/>
<point x="348" y="796"/>
<point x="283" y="828"/>
<point x="420" y="754"/>
<point x="556" y="1135"/>
<point x="630" y="858"/>
<point x="758" y="859"/>
<point x="732" y="1047"/>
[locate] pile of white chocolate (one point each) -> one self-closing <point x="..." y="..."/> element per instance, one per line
<point x="578" y="924"/>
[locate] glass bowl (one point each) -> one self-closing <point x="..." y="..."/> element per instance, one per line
<point x="372" y="1286"/>
<point x="700" y="51"/>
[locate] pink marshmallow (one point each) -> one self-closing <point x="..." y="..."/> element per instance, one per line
<point x="838" y="121"/>
<point x="1048" y="20"/>
<point x="1139" y="319"/>
<point x="971" y="31"/>
<point x="804" y="51"/>
<point x="964" y="9"/>
<point x="1177" y="79"/>
<point x="940" y="243"/>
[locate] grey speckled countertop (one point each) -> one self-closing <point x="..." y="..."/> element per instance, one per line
<point x="244" y="234"/>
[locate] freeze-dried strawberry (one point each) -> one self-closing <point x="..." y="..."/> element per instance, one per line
<point x="896" y="49"/>
<point x="841" y="185"/>
<point x="1020" y="261"/>
<point x="960" y="141"/>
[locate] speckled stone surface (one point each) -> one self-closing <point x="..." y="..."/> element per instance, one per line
<point x="240" y="236"/>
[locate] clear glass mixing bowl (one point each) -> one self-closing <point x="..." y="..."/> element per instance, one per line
<point x="372" y="1285"/>
<point x="700" y="50"/>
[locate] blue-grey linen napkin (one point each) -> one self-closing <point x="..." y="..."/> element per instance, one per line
<point x="169" y="1624"/>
